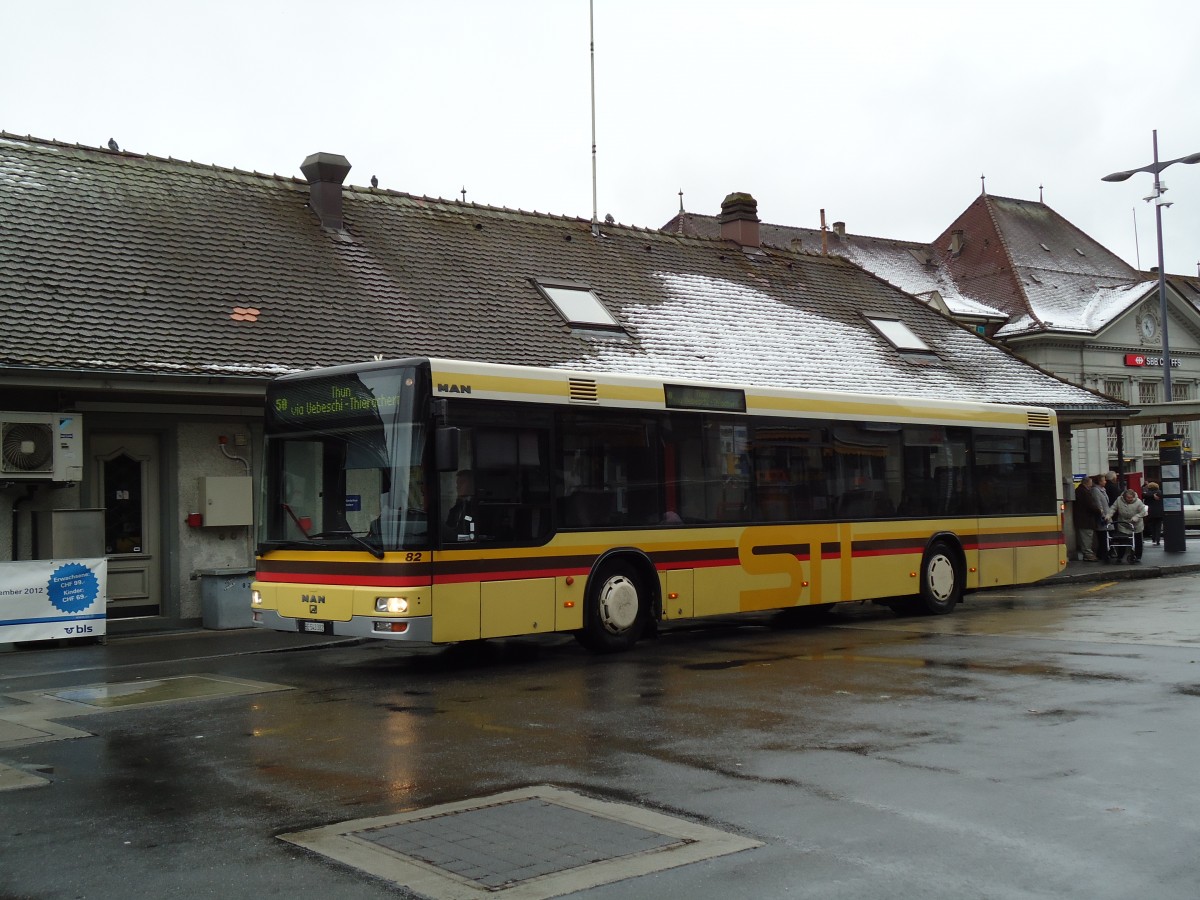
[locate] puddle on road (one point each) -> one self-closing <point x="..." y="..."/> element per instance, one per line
<point x="136" y="693"/>
<point x="1040" y="670"/>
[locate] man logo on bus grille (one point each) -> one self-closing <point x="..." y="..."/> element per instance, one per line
<point x="454" y="389"/>
<point x="312" y="598"/>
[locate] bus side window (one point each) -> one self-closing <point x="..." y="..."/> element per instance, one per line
<point x="608" y="467"/>
<point x="509" y="488"/>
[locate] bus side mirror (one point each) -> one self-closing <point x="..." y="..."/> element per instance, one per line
<point x="446" y="449"/>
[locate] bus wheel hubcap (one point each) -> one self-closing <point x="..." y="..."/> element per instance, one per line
<point x="618" y="604"/>
<point x="941" y="578"/>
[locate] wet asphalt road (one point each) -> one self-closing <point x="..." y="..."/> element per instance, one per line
<point x="1043" y="742"/>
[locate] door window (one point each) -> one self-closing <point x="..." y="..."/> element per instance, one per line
<point x="123" y="510"/>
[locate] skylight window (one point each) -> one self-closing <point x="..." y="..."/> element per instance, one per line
<point x="579" y="306"/>
<point x="899" y="335"/>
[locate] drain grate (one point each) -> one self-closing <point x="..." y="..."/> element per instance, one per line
<point x="478" y="844"/>
<point x="539" y="842"/>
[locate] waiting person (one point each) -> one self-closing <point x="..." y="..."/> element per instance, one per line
<point x="1153" y="499"/>
<point x="1103" y="519"/>
<point x="1128" y="510"/>
<point x="1112" y="487"/>
<point x="1084" y="514"/>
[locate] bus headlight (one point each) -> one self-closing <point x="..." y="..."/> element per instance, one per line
<point x="255" y="598"/>
<point x="394" y="605"/>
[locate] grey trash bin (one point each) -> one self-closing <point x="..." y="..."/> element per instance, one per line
<point x="225" y="597"/>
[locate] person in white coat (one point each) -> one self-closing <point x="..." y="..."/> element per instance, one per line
<point x="1129" y="510"/>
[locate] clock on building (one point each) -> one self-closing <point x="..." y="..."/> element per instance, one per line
<point x="1149" y="327"/>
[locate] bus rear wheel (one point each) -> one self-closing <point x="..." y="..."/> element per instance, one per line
<point x="614" y="613"/>
<point x="941" y="580"/>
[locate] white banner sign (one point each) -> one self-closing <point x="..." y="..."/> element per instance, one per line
<point x="47" y="599"/>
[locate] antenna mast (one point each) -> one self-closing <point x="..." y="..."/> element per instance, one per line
<point x="592" y="45"/>
<point x="1136" y="249"/>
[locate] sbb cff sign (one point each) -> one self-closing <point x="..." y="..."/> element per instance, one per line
<point x="1141" y="359"/>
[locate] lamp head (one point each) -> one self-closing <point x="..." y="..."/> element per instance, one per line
<point x="1121" y="176"/>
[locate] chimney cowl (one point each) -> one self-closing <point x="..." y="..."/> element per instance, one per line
<point x="325" y="173"/>
<point x="739" y="220"/>
<point x="839" y="228"/>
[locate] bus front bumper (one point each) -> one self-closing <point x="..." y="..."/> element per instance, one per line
<point x="416" y="629"/>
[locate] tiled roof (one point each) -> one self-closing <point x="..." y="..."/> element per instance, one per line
<point x="909" y="265"/>
<point x="1020" y="261"/>
<point x="123" y="263"/>
<point x="1029" y="261"/>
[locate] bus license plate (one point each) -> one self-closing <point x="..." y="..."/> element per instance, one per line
<point x="315" y="627"/>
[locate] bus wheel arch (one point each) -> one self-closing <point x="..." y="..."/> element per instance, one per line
<point x="620" y="602"/>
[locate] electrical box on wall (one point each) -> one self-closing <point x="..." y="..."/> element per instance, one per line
<point x="226" y="500"/>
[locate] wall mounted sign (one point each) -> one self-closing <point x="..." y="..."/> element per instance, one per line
<point x="48" y="599"/>
<point x="1147" y="361"/>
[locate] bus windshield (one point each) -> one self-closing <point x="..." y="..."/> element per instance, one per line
<point x="345" y="462"/>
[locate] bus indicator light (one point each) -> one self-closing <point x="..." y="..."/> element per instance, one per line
<point x="569" y="580"/>
<point x="392" y="627"/>
<point x="568" y="604"/>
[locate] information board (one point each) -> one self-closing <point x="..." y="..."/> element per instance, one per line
<point x="48" y="599"/>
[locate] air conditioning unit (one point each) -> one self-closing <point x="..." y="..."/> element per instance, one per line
<point x="41" y="446"/>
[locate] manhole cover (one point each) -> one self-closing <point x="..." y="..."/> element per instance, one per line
<point x="544" y="841"/>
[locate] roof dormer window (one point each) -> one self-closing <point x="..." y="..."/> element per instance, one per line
<point x="578" y="305"/>
<point x="899" y="335"/>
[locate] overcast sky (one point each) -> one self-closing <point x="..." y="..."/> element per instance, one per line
<point x="884" y="113"/>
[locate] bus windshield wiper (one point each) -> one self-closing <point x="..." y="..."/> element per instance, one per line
<point x="374" y="550"/>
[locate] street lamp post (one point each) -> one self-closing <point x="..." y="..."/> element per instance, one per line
<point x="1170" y="450"/>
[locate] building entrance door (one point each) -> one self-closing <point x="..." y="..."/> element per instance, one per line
<point x="125" y="472"/>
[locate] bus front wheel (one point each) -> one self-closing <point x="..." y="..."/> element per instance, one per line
<point x="941" y="580"/>
<point x="614" y="614"/>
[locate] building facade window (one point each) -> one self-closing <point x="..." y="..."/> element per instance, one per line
<point x="1182" y="390"/>
<point x="1147" y="395"/>
<point x="1115" y="388"/>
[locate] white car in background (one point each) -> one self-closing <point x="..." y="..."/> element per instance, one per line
<point x="1191" y="509"/>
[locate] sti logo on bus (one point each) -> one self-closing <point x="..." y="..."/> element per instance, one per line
<point x="454" y="388"/>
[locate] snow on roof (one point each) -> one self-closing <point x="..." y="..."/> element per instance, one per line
<point x="701" y="331"/>
<point x="898" y="265"/>
<point x="1075" y="304"/>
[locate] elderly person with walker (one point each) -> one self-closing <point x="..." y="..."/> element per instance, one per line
<point x="1128" y="514"/>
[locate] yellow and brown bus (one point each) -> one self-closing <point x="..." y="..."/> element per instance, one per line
<point x="436" y="500"/>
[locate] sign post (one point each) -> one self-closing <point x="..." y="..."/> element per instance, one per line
<point x="1170" y="457"/>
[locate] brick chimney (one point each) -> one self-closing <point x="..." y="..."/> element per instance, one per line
<point x="739" y="220"/>
<point x="325" y="173"/>
<point x="839" y="228"/>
